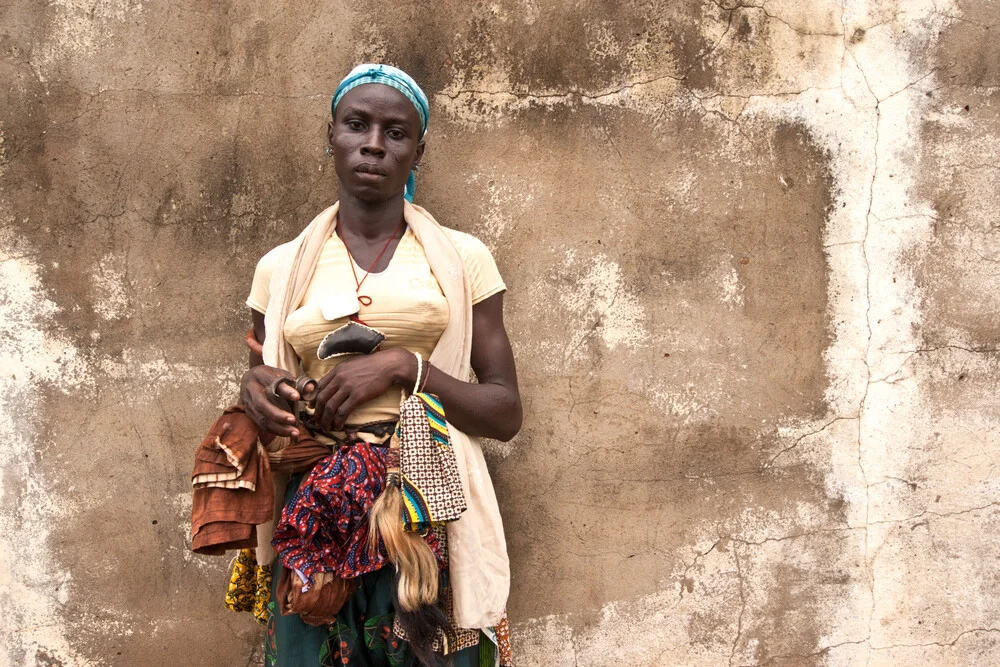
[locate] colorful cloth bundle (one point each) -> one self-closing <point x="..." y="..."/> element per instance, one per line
<point x="428" y="470"/>
<point x="325" y="527"/>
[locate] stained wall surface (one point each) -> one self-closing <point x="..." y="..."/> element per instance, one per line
<point x="752" y="255"/>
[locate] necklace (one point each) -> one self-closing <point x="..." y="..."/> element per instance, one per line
<point x="363" y="299"/>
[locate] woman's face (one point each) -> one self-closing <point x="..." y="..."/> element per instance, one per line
<point x="375" y="136"/>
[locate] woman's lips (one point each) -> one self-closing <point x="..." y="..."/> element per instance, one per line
<point x="370" y="170"/>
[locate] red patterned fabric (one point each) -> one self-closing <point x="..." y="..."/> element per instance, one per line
<point x="325" y="526"/>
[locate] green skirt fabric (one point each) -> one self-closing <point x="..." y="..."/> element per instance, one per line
<point x="362" y="635"/>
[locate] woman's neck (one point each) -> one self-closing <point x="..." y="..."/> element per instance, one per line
<point x="370" y="220"/>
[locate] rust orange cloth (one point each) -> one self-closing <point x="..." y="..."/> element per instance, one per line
<point x="300" y="454"/>
<point x="233" y="491"/>
<point x="233" y="488"/>
<point x="318" y="605"/>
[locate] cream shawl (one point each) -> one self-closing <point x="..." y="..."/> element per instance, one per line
<point x="478" y="564"/>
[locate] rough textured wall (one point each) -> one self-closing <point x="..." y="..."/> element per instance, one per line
<point x="752" y="255"/>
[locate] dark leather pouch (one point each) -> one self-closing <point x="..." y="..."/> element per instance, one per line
<point x="352" y="338"/>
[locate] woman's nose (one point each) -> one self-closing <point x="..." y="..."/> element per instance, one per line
<point x="373" y="144"/>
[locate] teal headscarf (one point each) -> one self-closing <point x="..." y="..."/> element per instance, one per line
<point x="394" y="78"/>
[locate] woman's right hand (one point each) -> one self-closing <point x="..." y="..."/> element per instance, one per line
<point x="268" y="416"/>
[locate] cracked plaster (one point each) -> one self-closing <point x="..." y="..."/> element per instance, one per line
<point x="752" y="265"/>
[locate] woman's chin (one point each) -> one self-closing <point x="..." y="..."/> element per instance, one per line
<point x="371" y="195"/>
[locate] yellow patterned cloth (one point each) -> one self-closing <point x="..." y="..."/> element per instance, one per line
<point x="249" y="586"/>
<point x="262" y="596"/>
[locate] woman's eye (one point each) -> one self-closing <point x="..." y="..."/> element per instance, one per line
<point x="355" y="124"/>
<point x="396" y="134"/>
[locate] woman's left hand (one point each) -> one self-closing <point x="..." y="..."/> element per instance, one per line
<point x="354" y="382"/>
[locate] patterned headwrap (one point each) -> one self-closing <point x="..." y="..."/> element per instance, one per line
<point x="394" y="78"/>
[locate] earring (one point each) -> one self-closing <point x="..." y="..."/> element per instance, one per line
<point x="416" y="167"/>
<point x="329" y="150"/>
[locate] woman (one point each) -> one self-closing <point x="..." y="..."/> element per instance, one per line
<point x="374" y="265"/>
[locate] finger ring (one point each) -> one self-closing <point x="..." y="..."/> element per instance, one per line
<point x="271" y="392"/>
<point x="301" y="384"/>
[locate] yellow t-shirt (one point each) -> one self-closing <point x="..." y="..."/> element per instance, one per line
<point x="407" y="303"/>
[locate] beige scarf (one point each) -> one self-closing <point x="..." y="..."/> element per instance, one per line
<point x="479" y="571"/>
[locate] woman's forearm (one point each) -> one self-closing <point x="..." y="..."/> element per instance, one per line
<point x="486" y="409"/>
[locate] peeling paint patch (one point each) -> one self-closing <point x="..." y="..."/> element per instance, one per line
<point x="37" y="358"/>
<point x="604" y="305"/>
<point x="3" y="152"/>
<point x="371" y="45"/>
<point x="507" y="199"/>
<point x="732" y="290"/>
<point x="147" y="378"/>
<point x="682" y="402"/>
<point x="112" y="288"/>
<point x="79" y="28"/>
<point x="491" y="101"/>
<point x="32" y="586"/>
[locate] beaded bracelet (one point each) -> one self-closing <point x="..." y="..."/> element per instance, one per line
<point x="427" y="375"/>
<point x="420" y="370"/>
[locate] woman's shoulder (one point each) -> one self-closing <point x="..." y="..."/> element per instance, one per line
<point x="260" y="288"/>
<point x="273" y="257"/>
<point x="479" y="264"/>
<point x="467" y="244"/>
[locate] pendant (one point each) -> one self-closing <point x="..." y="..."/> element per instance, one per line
<point x="364" y="300"/>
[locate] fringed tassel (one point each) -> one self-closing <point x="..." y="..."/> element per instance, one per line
<point x="417" y="575"/>
<point x="416" y="565"/>
<point x="422" y="627"/>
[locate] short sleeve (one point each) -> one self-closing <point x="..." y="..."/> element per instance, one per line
<point x="480" y="266"/>
<point x="260" y="289"/>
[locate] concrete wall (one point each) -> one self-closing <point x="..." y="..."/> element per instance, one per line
<point x="752" y="253"/>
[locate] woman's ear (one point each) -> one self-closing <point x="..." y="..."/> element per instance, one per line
<point x="329" y="134"/>
<point x="420" y="154"/>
